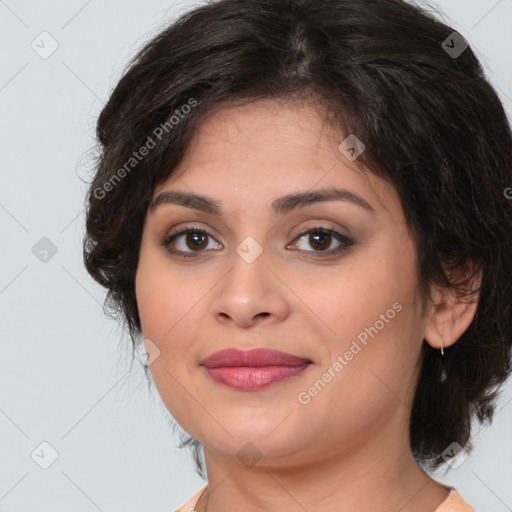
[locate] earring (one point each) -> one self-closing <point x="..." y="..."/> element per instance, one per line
<point x="442" y="347"/>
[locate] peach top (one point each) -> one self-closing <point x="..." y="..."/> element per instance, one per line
<point x="453" y="503"/>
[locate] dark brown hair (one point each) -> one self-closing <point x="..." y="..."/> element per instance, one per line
<point x="384" y="70"/>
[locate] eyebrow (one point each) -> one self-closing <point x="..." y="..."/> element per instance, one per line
<point x="281" y="205"/>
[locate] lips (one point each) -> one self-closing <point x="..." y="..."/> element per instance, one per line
<point x="255" y="357"/>
<point x="252" y="370"/>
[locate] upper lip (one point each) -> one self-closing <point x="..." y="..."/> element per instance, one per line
<point x="253" y="357"/>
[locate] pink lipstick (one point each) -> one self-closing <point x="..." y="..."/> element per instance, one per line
<point x="253" y="369"/>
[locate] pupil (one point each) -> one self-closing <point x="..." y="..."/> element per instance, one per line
<point x="322" y="235"/>
<point x="317" y="240"/>
<point x="195" y="236"/>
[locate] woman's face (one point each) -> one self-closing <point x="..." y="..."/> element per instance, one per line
<point x="349" y="305"/>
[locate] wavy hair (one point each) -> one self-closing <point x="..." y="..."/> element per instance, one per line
<point x="385" y="70"/>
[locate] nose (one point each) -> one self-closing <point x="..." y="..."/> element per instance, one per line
<point x="250" y="294"/>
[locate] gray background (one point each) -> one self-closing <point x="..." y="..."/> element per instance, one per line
<point x="64" y="366"/>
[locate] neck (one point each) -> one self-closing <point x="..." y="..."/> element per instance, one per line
<point x="376" y="475"/>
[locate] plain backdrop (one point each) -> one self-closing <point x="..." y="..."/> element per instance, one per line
<point x="68" y="399"/>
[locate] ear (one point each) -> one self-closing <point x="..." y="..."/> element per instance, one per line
<point x="450" y="315"/>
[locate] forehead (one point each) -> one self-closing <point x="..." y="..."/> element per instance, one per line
<point x="264" y="130"/>
<point x="268" y="148"/>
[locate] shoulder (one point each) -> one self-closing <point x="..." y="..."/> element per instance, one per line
<point x="454" y="503"/>
<point x="189" y="506"/>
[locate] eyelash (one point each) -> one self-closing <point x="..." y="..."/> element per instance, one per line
<point x="344" y="240"/>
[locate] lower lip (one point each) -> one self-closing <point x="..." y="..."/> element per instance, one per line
<point x="250" y="378"/>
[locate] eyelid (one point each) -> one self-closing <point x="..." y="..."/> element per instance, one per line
<point x="317" y="226"/>
<point x="179" y="232"/>
<point x="345" y="241"/>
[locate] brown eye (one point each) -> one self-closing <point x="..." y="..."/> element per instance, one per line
<point x="321" y="240"/>
<point x="196" y="240"/>
<point x="193" y="242"/>
<point x="187" y="242"/>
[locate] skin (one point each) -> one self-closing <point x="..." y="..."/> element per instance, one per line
<point x="350" y="443"/>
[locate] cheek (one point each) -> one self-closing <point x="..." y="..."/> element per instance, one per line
<point x="161" y="297"/>
<point x="151" y="299"/>
<point x="367" y="292"/>
<point x="163" y="313"/>
<point x="168" y="305"/>
<point x="373" y="319"/>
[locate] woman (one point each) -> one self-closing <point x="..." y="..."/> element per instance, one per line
<point x="300" y="210"/>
